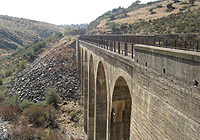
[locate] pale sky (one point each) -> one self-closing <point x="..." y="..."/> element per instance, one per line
<point x="61" y="11"/>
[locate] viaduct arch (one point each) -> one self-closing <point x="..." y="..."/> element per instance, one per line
<point x="101" y="103"/>
<point x="146" y="97"/>
<point x="121" y="111"/>
<point x="91" y="98"/>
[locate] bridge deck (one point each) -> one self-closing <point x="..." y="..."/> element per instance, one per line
<point x="124" y="43"/>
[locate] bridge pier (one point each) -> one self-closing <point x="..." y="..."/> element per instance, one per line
<point x="91" y="102"/>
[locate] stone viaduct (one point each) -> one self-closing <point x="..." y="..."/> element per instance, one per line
<point x="145" y="93"/>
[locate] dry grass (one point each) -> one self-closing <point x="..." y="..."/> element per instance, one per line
<point x="18" y="31"/>
<point x="8" y="113"/>
<point x="144" y="14"/>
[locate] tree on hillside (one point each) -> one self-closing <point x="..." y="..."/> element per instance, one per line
<point x="112" y="17"/>
<point x="170" y="7"/>
<point x="176" y="1"/>
<point x="192" y="2"/>
<point x="151" y="11"/>
<point x="1" y="82"/>
<point x="135" y="3"/>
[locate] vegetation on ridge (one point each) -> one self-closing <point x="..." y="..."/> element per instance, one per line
<point x="14" y="63"/>
<point x="159" y="17"/>
<point x="19" y="32"/>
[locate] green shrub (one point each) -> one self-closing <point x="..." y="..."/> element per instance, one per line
<point x="73" y="116"/>
<point x="112" y="17"/>
<point x="24" y="133"/>
<point x="151" y="11"/>
<point x="43" y="104"/>
<point x="31" y="56"/>
<point x="41" y="116"/>
<point x="176" y="1"/>
<point x="170" y="6"/>
<point x="25" y="104"/>
<point x="8" y="72"/>
<point x="8" y="113"/>
<point x="35" y="114"/>
<point x="51" y="117"/>
<point x="14" y="101"/>
<point x="21" y="65"/>
<point x="52" y="97"/>
<point x="184" y="8"/>
<point x="54" y="136"/>
<point x="38" y="46"/>
<point x="13" y="79"/>
<point x="59" y="34"/>
<point x="1" y="75"/>
<point x="192" y="2"/>
<point x="1" y="82"/>
<point x="159" y="6"/>
<point x="2" y="95"/>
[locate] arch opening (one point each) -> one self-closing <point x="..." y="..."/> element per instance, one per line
<point x="121" y="111"/>
<point x="91" y="99"/>
<point x="101" y="103"/>
<point x="82" y="76"/>
<point x="85" y="89"/>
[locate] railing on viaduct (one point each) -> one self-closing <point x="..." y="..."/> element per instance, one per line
<point x="155" y="95"/>
<point x="124" y="44"/>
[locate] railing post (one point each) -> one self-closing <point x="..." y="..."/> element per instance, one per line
<point x="185" y="45"/>
<point x="119" y="47"/>
<point x="175" y="43"/>
<point x="114" y="47"/>
<point x="113" y="43"/>
<point x="126" y="49"/>
<point x="193" y="44"/>
<point x="159" y="42"/>
<point x="163" y="42"/>
<point x="147" y="40"/>
<point x="132" y="50"/>
<point x="154" y="40"/>
<point x="111" y="46"/>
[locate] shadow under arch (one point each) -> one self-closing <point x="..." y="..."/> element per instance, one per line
<point x="82" y="75"/>
<point x="85" y="89"/>
<point x="101" y="103"/>
<point x="91" y="99"/>
<point x="121" y="111"/>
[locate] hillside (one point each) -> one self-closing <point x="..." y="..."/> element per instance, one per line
<point x="50" y="76"/>
<point x="19" y="32"/>
<point x="159" y="17"/>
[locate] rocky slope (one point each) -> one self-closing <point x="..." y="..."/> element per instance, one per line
<point x="56" y="67"/>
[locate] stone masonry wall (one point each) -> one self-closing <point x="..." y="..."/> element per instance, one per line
<point x="164" y="88"/>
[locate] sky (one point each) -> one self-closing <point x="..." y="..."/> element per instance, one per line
<point x="61" y="11"/>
